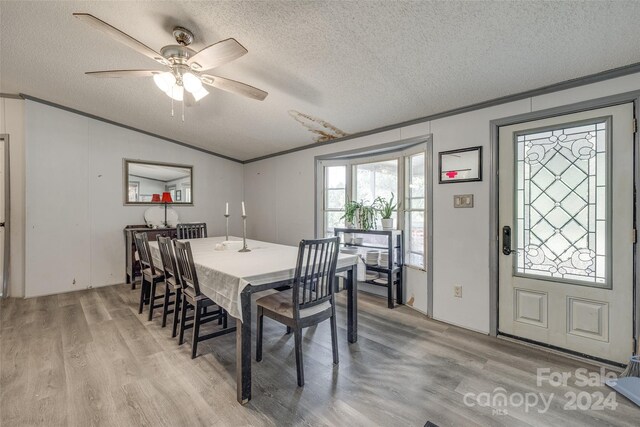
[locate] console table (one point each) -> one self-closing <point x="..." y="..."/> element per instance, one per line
<point x="132" y="268"/>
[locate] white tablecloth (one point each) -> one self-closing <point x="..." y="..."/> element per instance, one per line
<point x="224" y="274"/>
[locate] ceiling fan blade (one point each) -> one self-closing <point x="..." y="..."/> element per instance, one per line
<point x="234" y="87"/>
<point x="217" y="54"/>
<point x="120" y="36"/>
<point x="123" y="73"/>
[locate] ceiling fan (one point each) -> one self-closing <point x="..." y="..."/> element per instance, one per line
<point x="185" y="80"/>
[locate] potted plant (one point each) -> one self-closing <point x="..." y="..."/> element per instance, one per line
<point x="386" y="210"/>
<point x="350" y="215"/>
<point x="367" y="214"/>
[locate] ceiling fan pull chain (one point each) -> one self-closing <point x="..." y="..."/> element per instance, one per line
<point x="183" y="110"/>
<point x="172" y="104"/>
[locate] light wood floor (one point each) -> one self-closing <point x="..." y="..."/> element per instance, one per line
<point x="87" y="358"/>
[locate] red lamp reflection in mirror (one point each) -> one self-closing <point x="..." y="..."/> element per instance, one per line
<point x="166" y="199"/>
<point x="155" y="198"/>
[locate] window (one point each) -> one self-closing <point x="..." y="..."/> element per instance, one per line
<point x="562" y="203"/>
<point x="134" y="191"/>
<point x="377" y="179"/>
<point x="415" y="210"/>
<point x="401" y="173"/>
<point x="335" y="196"/>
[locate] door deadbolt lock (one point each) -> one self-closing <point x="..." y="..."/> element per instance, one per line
<point x="506" y="241"/>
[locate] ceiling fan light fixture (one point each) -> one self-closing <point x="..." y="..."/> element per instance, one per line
<point x="191" y="82"/>
<point x="164" y="81"/>
<point x="184" y="63"/>
<point x="176" y="92"/>
<point x="200" y="93"/>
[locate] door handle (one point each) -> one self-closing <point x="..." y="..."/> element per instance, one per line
<point x="506" y="241"/>
<point x="1" y="224"/>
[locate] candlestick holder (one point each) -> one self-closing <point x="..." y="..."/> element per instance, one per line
<point x="244" y="235"/>
<point x="227" y="219"/>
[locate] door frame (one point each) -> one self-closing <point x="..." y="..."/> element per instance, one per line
<point x="7" y="210"/>
<point x="494" y="226"/>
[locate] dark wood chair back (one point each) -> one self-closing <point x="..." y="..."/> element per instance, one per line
<point x="168" y="258"/>
<point x="315" y="272"/>
<point x="144" y="253"/>
<point x="186" y="267"/>
<point x="192" y="230"/>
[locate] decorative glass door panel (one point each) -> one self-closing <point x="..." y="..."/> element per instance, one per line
<point x="562" y="203"/>
<point x="560" y="181"/>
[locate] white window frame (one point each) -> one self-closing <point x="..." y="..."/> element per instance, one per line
<point x="408" y="210"/>
<point x="350" y="163"/>
<point x="321" y="190"/>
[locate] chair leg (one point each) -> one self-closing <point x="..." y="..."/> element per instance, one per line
<point x="224" y="318"/>
<point x="152" y="299"/>
<point x="165" y="306"/>
<point x="142" y="296"/>
<point x="259" y="327"/>
<point x="297" y="332"/>
<point x="147" y="292"/>
<point x="196" y="330"/>
<point x="334" y="339"/>
<point x="176" y="313"/>
<point x="289" y="330"/>
<point x="183" y="319"/>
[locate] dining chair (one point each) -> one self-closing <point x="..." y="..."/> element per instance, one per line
<point x="192" y="230"/>
<point x="309" y="301"/>
<point x="192" y="298"/>
<point x="173" y="288"/>
<point x="150" y="275"/>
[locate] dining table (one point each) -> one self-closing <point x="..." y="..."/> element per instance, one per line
<point x="230" y="277"/>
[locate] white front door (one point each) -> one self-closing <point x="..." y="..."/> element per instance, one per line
<point x="566" y="205"/>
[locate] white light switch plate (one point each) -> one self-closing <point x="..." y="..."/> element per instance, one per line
<point x="463" y="201"/>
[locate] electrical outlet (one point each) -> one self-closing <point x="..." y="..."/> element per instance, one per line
<point x="457" y="291"/>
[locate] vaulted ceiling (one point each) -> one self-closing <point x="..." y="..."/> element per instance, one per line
<point x="353" y="66"/>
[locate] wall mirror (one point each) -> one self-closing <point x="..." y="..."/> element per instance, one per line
<point x="462" y="165"/>
<point x="145" y="182"/>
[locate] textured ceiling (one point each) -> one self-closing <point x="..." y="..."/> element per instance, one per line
<point x="357" y="65"/>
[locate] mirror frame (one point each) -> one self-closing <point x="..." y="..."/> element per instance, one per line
<point x="125" y="181"/>
<point x="478" y="160"/>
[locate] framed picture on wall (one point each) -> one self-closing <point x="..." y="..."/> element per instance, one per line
<point x="178" y="195"/>
<point x="463" y="165"/>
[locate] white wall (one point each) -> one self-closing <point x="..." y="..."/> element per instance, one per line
<point x="74" y="199"/>
<point x="12" y="123"/>
<point x="280" y="192"/>
<point x="148" y="187"/>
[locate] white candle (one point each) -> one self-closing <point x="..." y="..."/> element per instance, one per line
<point x="226" y="211"/>
<point x="244" y="213"/>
